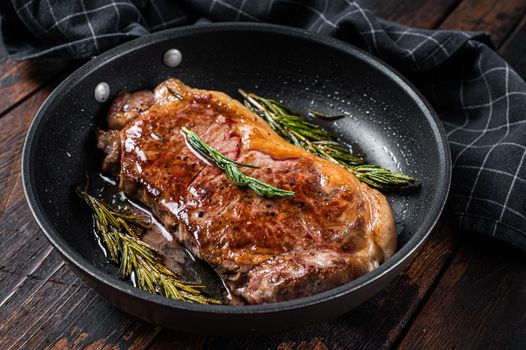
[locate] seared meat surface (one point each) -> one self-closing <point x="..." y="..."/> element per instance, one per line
<point x="332" y="231"/>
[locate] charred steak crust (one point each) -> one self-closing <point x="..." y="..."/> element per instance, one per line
<point x="334" y="230"/>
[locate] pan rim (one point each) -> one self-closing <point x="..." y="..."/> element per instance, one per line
<point x="406" y="252"/>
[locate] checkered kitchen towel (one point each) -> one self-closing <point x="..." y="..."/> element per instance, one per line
<point x="479" y="98"/>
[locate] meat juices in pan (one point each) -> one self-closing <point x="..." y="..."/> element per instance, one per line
<point x="332" y="231"/>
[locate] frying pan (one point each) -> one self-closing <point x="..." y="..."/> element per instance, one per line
<point x="387" y="120"/>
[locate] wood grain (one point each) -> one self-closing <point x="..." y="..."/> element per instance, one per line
<point x="479" y="303"/>
<point x="498" y="17"/>
<point x="514" y="49"/>
<point x="421" y="14"/>
<point x="20" y="79"/>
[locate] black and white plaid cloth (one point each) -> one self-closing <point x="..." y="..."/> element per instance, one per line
<point x="479" y="98"/>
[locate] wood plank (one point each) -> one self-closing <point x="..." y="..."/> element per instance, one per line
<point x="498" y="17"/>
<point x="479" y="303"/>
<point x="20" y="79"/>
<point x="32" y="303"/>
<point x="514" y="49"/>
<point x="421" y="14"/>
<point x="15" y="231"/>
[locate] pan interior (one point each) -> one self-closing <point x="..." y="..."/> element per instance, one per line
<point x="383" y="121"/>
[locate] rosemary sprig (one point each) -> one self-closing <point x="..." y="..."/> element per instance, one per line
<point x="231" y="168"/>
<point x="137" y="260"/>
<point x="299" y="131"/>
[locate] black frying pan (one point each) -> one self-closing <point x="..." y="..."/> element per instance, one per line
<point x="389" y="121"/>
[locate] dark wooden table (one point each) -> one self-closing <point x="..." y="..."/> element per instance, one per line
<point x="462" y="290"/>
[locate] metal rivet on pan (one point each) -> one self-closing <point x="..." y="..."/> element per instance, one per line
<point x="172" y="58"/>
<point x="102" y="92"/>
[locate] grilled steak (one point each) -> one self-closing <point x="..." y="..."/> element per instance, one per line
<point x="332" y="231"/>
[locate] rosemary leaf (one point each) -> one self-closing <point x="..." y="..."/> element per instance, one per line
<point x="231" y="168"/>
<point x="121" y="235"/>
<point x="325" y="116"/>
<point x="299" y="131"/>
<point x="174" y="93"/>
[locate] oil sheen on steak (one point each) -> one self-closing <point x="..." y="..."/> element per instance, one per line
<point x="332" y="231"/>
